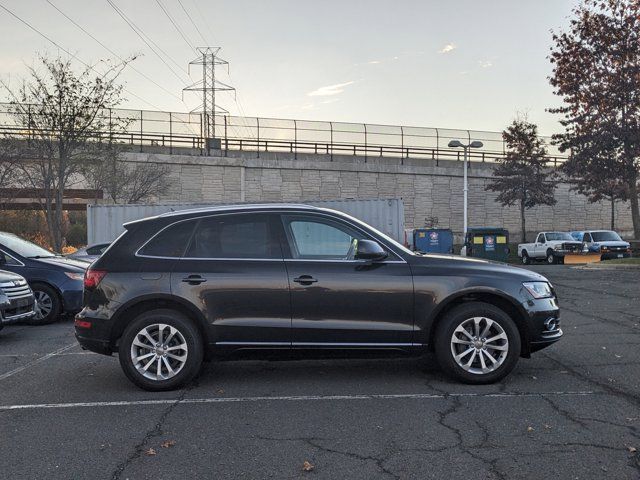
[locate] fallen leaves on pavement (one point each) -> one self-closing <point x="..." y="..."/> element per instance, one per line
<point x="307" y="467"/>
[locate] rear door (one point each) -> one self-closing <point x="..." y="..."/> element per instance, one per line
<point x="233" y="270"/>
<point x="337" y="301"/>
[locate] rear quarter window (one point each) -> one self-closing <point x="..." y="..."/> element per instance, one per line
<point x="170" y="242"/>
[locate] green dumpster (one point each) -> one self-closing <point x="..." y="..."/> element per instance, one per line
<point x="488" y="242"/>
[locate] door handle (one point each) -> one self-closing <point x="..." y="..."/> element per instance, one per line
<point x="194" y="280"/>
<point x="305" y="280"/>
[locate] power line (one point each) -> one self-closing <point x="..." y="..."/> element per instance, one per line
<point x="191" y="46"/>
<point x="148" y="78"/>
<point x="69" y="53"/>
<point x="192" y="22"/>
<point x="140" y="33"/>
<point x="211" y="35"/>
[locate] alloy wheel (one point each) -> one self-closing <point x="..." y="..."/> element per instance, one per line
<point x="159" y="351"/>
<point x="43" y="306"/>
<point x="479" y="345"/>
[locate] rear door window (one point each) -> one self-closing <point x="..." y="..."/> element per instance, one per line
<point x="245" y="236"/>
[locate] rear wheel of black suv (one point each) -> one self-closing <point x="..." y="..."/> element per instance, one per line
<point x="477" y="343"/>
<point x="161" y="350"/>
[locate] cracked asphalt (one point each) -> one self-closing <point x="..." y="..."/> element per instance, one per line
<point x="572" y="411"/>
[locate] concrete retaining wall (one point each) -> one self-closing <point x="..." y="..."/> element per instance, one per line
<point x="428" y="188"/>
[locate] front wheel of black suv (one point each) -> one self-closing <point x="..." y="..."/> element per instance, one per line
<point x="477" y="343"/>
<point x="161" y="350"/>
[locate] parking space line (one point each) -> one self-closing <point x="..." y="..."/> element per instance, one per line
<point x="36" y="361"/>
<point x="301" y="398"/>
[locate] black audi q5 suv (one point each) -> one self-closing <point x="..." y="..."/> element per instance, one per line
<point x="179" y="288"/>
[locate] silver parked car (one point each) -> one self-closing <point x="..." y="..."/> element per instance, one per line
<point x="89" y="253"/>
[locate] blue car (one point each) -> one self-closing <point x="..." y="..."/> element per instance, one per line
<point x="56" y="281"/>
<point x="605" y="242"/>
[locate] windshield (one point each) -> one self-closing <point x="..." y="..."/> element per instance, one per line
<point x="22" y="247"/>
<point x="605" y="236"/>
<point x="551" y="236"/>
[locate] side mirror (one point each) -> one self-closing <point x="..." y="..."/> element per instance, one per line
<point x="370" y="250"/>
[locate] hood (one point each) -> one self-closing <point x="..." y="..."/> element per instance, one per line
<point x="62" y="263"/>
<point x="612" y="243"/>
<point x="480" y="267"/>
<point x="9" y="276"/>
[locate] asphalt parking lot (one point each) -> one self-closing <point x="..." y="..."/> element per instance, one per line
<point x="572" y="411"/>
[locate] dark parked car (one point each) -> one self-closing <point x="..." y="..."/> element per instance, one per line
<point x="17" y="302"/>
<point x="184" y="286"/>
<point x="56" y="281"/>
<point x="90" y="253"/>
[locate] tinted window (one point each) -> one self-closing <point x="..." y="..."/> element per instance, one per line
<point x="312" y="238"/>
<point x="235" y="236"/>
<point x="557" y="236"/>
<point x="606" y="236"/>
<point x="587" y="238"/>
<point x="170" y="242"/>
<point x="541" y="238"/>
<point x="8" y="259"/>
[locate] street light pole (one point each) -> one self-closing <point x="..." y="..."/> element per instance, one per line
<point x="465" y="188"/>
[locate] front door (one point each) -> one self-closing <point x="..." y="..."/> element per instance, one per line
<point x="337" y="301"/>
<point x="234" y="271"/>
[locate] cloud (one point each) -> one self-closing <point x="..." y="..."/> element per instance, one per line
<point x="448" y="48"/>
<point x="329" y="100"/>
<point x="330" y="90"/>
<point x="374" y="62"/>
<point x="485" y="63"/>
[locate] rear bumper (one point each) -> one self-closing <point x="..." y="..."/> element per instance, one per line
<point x="93" y="334"/>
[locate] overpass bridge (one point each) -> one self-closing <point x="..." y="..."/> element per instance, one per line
<point x="182" y="133"/>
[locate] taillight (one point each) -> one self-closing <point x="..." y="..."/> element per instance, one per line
<point x="92" y="278"/>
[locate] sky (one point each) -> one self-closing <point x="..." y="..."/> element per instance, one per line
<point x="464" y="64"/>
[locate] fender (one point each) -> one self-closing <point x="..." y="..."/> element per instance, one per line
<point x="427" y="330"/>
<point x="161" y="300"/>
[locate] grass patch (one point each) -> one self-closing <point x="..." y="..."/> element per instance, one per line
<point x="623" y="261"/>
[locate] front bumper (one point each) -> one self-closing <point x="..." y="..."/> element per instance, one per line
<point x="614" y="255"/>
<point x="544" y="322"/>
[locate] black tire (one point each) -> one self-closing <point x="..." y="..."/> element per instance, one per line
<point x="526" y="260"/>
<point x="48" y="294"/>
<point x="456" y="317"/>
<point x="188" y="331"/>
<point x="551" y="257"/>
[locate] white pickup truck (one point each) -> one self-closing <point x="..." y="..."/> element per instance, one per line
<point x="549" y="246"/>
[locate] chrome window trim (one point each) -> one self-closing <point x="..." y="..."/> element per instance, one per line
<point x="20" y="264"/>
<point x="289" y="211"/>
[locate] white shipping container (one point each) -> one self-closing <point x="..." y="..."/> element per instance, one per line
<point x="104" y="222"/>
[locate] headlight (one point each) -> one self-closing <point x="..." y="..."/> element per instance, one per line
<point x="74" y="276"/>
<point x="558" y="247"/>
<point x="538" y="289"/>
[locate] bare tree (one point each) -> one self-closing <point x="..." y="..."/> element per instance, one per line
<point x="126" y="182"/>
<point x="63" y="112"/>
